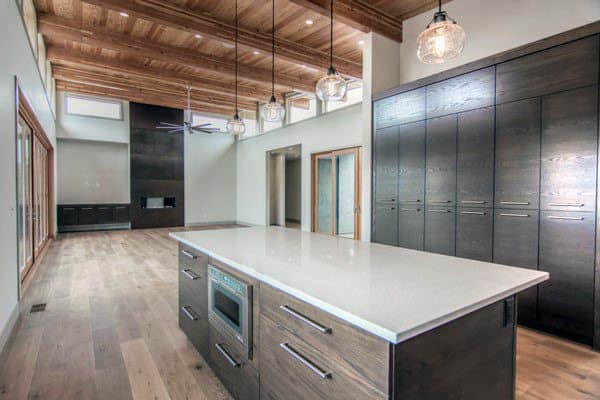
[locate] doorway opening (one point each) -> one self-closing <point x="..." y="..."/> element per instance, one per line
<point x="284" y="177"/>
<point x="336" y="193"/>
<point x="34" y="173"/>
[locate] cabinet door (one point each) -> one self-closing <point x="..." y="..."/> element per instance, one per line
<point x="440" y="230"/>
<point x="462" y="93"/>
<point x="400" y="109"/>
<point x="441" y="161"/>
<point x="67" y="215"/>
<point x="86" y="215"/>
<point x="559" y="68"/>
<point x="121" y="214"/>
<point x="385" y="164"/>
<point x="516" y="243"/>
<point x="518" y="155"/>
<point x="566" y="302"/>
<point x="105" y="214"/>
<point x="569" y="150"/>
<point x="411" y="225"/>
<point x="385" y="224"/>
<point x="475" y="166"/>
<point x="474" y="229"/>
<point x="411" y="163"/>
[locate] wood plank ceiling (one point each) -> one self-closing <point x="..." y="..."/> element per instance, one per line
<point x="150" y="50"/>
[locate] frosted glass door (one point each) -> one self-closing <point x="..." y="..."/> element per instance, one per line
<point x="325" y="195"/>
<point x="345" y="195"/>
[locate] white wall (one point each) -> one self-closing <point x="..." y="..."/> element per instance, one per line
<point x="331" y="131"/>
<point x="495" y="26"/>
<point x="210" y="178"/>
<point x="92" y="172"/>
<point x="86" y="128"/>
<point x="17" y="60"/>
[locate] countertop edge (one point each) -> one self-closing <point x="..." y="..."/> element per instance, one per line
<point x="390" y="336"/>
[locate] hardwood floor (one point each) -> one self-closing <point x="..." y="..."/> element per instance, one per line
<point x="110" y="331"/>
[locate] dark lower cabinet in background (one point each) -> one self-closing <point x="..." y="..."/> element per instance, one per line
<point x="87" y="217"/>
<point x="411" y="225"/>
<point x="385" y="224"/>
<point x="516" y="243"/>
<point x="474" y="230"/>
<point x="440" y="229"/>
<point x="567" y="252"/>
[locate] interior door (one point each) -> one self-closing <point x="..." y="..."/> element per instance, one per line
<point x="336" y="193"/>
<point x="24" y="196"/>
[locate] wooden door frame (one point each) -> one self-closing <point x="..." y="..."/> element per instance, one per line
<point x="24" y="110"/>
<point x="357" y="151"/>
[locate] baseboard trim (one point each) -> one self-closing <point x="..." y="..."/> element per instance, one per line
<point x="96" y="227"/>
<point x="10" y="325"/>
<point x="211" y="223"/>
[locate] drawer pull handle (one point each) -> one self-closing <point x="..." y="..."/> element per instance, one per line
<point x="515" y="203"/>
<point x="188" y="254"/>
<point x="189" y="312"/>
<point x="410" y="201"/>
<point x="306" y="320"/>
<point x="515" y="215"/>
<point x="304" y="361"/>
<point x="473" y="201"/>
<point x="227" y="356"/>
<point x="567" y="218"/>
<point x="473" y="212"/>
<point x="440" y="211"/>
<point x="441" y="202"/>
<point x="565" y="204"/>
<point x="191" y="275"/>
<point x="410" y="209"/>
<point x="86" y="208"/>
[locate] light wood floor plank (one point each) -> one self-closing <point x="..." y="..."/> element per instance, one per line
<point x="144" y="377"/>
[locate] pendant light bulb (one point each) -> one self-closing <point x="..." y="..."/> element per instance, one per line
<point x="236" y="125"/>
<point x="443" y="39"/>
<point x="273" y="111"/>
<point x="331" y="87"/>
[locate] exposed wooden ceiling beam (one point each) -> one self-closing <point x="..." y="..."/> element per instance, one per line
<point x="359" y="15"/>
<point x="59" y="56"/>
<point x="131" y="84"/>
<point x="62" y="28"/>
<point x="171" y="15"/>
<point x="142" y="96"/>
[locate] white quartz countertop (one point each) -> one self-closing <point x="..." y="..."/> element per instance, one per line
<point x="391" y="292"/>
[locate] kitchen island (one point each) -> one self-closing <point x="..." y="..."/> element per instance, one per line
<point x="284" y="314"/>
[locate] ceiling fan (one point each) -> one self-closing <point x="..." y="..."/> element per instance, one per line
<point x="187" y="123"/>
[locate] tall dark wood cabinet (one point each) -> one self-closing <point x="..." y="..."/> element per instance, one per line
<point x="509" y="150"/>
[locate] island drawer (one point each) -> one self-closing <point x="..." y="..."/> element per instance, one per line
<point x="292" y="369"/>
<point x="232" y="368"/>
<point x="359" y="354"/>
<point x="194" y="324"/>
<point x="192" y="258"/>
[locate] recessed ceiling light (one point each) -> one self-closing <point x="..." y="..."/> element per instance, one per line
<point x="304" y="66"/>
<point x="228" y="45"/>
<point x="198" y="36"/>
<point x="123" y="14"/>
<point x="361" y="42"/>
<point x="309" y="22"/>
<point x="256" y="52"/>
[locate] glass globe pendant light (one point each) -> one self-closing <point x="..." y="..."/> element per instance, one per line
<point x="331" y="87"/>
<point x="273" y="111"/>
<point x="443" y="39"/>
<point x="236" y="125"/>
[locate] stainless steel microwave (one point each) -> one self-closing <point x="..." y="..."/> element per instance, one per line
<point x="230" y="307"/>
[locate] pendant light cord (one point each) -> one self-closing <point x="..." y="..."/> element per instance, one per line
<point x="236" y="59"/>
<point x="331" y="35"/>
<point x="440" y="6"/>
<point x="273" y="53"/>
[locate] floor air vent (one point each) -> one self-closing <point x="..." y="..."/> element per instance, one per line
<point x="38" y="307"/>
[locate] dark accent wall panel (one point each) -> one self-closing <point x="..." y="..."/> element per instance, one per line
<point x="157" y="168"/>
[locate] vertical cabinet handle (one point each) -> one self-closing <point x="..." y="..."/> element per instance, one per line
<point x="305" y="319"/>
<point x="189" y="312"/>
<point x="188" y="254"/>
<point x="190" y="274"/>
<point x="226" y="355"/>
<point x="305" y="361"/>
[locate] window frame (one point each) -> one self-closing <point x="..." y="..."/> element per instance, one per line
<point x="92" y="98"/>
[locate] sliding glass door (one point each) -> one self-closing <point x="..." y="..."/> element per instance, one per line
<point x="336" y="193"/>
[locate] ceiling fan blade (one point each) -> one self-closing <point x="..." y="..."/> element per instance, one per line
<point x="169" y="127"/>
<point x="201" y="125"/>
<point x="176" y="130"/>
<point x="168" y="124"/>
